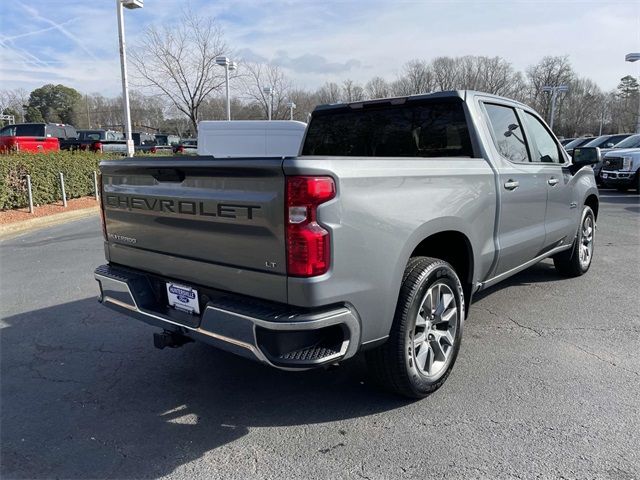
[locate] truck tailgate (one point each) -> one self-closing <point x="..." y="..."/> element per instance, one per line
<point x="212" y="222"/>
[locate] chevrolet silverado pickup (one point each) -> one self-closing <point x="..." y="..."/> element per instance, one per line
<point x="373" y="239"/>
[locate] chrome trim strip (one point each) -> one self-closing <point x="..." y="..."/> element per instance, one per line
<point x="513" y="271"/>
<point x="135" y="308"/>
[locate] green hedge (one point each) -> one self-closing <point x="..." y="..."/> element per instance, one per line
<point x="44" y="168"/>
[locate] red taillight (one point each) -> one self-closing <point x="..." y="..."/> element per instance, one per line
<point x="96" y="147"/>
<point x="308" y="244"/>
<point x="180" y="149"/>
<point x="153" y="150"/>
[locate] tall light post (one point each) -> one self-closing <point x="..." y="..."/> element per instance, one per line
<point x="634" y="57"/>
<point x="130" y="4"/>
<point x="228" y="66"/>
<point x="291" y="106"/>
<point x="554" y="89"/>
<point x="268" y="91"/>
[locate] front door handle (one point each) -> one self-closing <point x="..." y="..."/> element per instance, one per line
<point x="511" y="184"/>
<point x="553" y="181"/>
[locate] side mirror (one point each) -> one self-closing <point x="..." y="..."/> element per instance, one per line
<point x="585" y="156"/>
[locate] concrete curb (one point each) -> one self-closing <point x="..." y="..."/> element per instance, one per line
<point x="18" y="228"/>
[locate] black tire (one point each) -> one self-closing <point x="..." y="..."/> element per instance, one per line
<point x="394" y="364"/>
<point x="569" y="262"/>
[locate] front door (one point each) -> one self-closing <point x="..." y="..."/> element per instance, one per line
<point x="523" y="192"/>
<point x="560" y="219"/>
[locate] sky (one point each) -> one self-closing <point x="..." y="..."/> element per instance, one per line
<point x="75" y="42"/>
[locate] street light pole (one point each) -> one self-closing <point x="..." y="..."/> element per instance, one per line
<point x="123" y="68"/>
<point x="554" y="96"/>
<point x="268" y="91"/>
<point x="634" y="57"/>
<point x="224" y="62"/>
<point x="291" y="106"/>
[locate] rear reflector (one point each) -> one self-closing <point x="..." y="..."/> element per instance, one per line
<point x="308" y="244"/>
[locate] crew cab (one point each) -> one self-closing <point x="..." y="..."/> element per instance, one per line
<point x="35" y="137"/>
<point x="373" y="240"/>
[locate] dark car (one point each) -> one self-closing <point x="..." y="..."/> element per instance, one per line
<point x="564" y="141"/>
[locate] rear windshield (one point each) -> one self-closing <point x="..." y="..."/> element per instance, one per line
<point x="34" y="130"/>
<point x="426" y="129"/>
<point x="90" y="135"/>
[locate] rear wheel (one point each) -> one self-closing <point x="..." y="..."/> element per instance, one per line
<point x="577" y="260"/>
<point x="426" y="333"/>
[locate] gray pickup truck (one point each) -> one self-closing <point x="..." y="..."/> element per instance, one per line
<point x="374" y="239"/>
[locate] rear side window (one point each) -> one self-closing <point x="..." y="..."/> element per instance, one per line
<point x="26" y="130"/>
<point x="508" y="135"/>
<point x="428" y="129"/>
<point x="543" y="147"/>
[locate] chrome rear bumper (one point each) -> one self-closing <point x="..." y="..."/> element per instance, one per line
<point x="278" y="335"/>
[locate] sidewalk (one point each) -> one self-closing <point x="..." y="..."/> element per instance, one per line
<point x="16" y="222"/>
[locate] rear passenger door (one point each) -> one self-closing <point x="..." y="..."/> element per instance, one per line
<point x="523" y="192"/>
<point x="561" y="216"/>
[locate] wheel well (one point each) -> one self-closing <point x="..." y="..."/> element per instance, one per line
<point x="455" y="248"/>
<point x="592" y="201"/>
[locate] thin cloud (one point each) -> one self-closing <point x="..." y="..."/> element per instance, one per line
<point x="60" y="27"/>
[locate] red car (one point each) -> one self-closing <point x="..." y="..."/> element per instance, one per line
<point x="34" y="137"/>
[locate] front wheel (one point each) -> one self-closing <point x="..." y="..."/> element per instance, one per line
<point x="577" y="260"/>
<point x="426" y="332"/>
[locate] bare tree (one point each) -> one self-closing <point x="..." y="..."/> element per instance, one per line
<point x="256" y="76"/>
<point x="416" y="77"/>
<point x="178" y="61"/>
<point x="329" y="93"/>
<point x="549" y="71"/>
<point x="13" y="101"/>
<point x="351" y="91"/>
<point x="377" y="87"/>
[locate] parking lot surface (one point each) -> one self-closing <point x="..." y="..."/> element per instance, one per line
<point x="547" y="383"/>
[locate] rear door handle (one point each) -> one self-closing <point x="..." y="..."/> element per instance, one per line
<point x="511" y="184"/>
<point x="553" y="181"/>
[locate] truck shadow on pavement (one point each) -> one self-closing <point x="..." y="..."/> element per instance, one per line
<point x="85" y="395"/>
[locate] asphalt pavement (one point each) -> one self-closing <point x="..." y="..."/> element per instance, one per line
<point x="547" y="383"/>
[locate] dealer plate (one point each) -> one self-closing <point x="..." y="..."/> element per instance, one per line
<point x="183" y="298"/>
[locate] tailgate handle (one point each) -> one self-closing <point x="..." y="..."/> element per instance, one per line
<point x="168" y="175"/>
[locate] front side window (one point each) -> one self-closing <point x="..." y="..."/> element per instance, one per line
<point x="543" y="147"/>
<point x="507" y="132"/>
<point x="427" y="129"/>
<point x="8" y="131"/>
